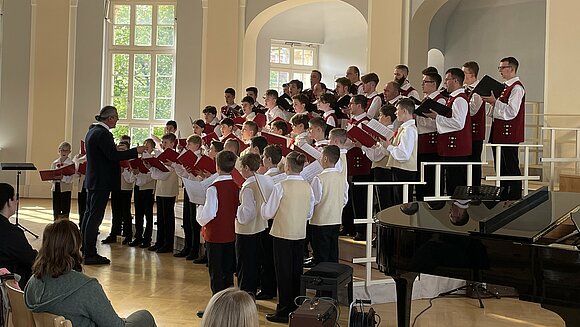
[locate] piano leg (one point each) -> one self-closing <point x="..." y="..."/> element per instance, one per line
<point x="404" y="285"/>
<point x="571" y="316"/>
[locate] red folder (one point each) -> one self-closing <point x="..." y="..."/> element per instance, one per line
<point x="372" y="132"/>
<point x="205" y="163"/>
<point x="83" y="168"/>
<point x="237" y="177"/>
<point x="56" y="174"/>
<point x="239" y="120"/>
<point x="124" y="164"/>
<point x="308" y="156"/>
<point x="138" y="164"/>
<point x="83" y="150"/>
<point x="168" y="155"/>
<point x="260" y="120"/>
<point x="275" y="139"/>
<point x="210" y="137"/>
<point x="355" y="133"/>
<point x="155" y="162"/>
<point x="181" y="142"/>
<point x="243" y="145"/>
<point x="188" y="160"/>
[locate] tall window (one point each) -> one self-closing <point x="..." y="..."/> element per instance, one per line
<point x="291" y="60"/>
<point x="141" y="66"/>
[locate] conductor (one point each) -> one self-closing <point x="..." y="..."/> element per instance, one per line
<point x="103" y="175"/>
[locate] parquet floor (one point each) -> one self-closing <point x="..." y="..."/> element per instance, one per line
<point x="174" y="289"/>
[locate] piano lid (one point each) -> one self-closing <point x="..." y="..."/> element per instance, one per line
<point x="535" y="220"/>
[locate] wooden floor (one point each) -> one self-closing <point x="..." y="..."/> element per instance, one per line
<point x="174" y="289"/>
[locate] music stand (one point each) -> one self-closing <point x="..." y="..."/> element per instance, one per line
<point x="19" y="167"/>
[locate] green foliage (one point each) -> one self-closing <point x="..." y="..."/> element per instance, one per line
<point x="144" y="14"/>
<point x="139" y="134"/>
<point x="165" y="35"/>
<point x="121" y="105"/>
<point x="121" y="35"/>
<point x="119" y="131"/>
<point x="163" y="87"/>
<point x="164" y="65"/>
<point x="122" y="14"/>
<point x="141" y="86"/>
<point x="141" y="108"/>
<point x="142" y="65"/>
<point x="166" y="15"/>
<point x="163" y="108"/>
<point x="158" y="131"/>
<point x="143" y="35"/>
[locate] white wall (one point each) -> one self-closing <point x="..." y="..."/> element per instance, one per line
<point x="342" y="44"/>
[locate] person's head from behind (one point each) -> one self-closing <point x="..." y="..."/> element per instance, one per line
<point x="168" y="141"/>
<point x="258" y="144"/>
<point x="198" y="126"/>
<point x="171" y="126"/>
<point x="60" y="251"/>
<point x="294" y="163"/>
<point x="280" y="127"/>
<point x="64" y="150"/>
<point x="7" y="200"/>
<point x="338" y="137"/>
<point x="272" y="155"/>
<point x="330" y="156"/>
<point x="230" y="308"/>
<point x="250" y="164"/>
<point x="225" y="162"/>
<point x="232" y="145"/>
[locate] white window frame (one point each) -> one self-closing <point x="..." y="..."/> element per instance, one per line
<point x="292" y="68"/>
<point x="153" y="50"/>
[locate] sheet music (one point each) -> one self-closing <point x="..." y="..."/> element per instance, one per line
<point x="195" y="190"/>
<point x="311" y="151"/>
<point x="380" y="128"/>
<point x="310" y="171"/>
<point x="265" y="185"/>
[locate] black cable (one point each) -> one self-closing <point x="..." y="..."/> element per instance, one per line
<point x="427" y="308"/>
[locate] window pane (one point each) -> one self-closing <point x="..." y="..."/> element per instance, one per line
<point x="121" y="64"/>
<point x="166" y="15"/>
<point x="139" y="134"/>
<point x="144" y="14"/>
<point x="163" y="87"/>
<point x="121" y="35"/>
<point x="164" y="65"/>
<point x="141" y="108"/>
<point x="309" y="57"/>
<point x="284" y="78"/>
<point x="285" y="56"/>
<point x="274" y="55"/>
<point x="141" y="86"/>
<point x="274" y="79"/>
<point x="162" y="108"/>
<point x="121" y="105"/>
<point x="120" y="86"/>
<point x="165" y="35"/>
<point x="143" y="35"/>
<point x="119" y="131"/>
<point x="142" y="66"/>
<point x="158" y="131"/>
<point x="298" y="57"/>
<point x="122" y="14"/>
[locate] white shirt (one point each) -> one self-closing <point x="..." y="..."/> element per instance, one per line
<point x="375" y="153"/>
<point x="509" y="111"/>
<point x="359" y="87"/>
<point x="317" y="187"/>
<point x="406" y="85"/>
<point x="210" y="207"/>
<point x="328" y="118"/>
<point x="394" y="100"/>
<point x="270" y="208"/>
<point x="102" y="124"/>
<point x="247" y="208"/>
<point x="321" y="143"/>
<point x="65" y="179"/>
<point x="142" y="179"/>
<point x="458" y="115"/>
<point x="274" y="113"/>
<point x="373" y="110"/>
<point x="338" y="165"/>
<point x="475" y="101"/>
<point x="160" y="175"/>
<point x="427" y="125"/>
<point x="360" y="118"/>
<point x="408" y="141"/>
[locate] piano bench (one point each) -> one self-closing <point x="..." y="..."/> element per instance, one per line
<point x="327" y="278"/>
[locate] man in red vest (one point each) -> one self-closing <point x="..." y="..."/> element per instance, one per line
<point x="508" y="124"/>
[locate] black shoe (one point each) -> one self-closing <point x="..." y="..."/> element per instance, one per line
<point x="191" y="256"/>
<point x="200" y="260"/>
<point x="126" y="240"/>
<point x="145" y="245"/>
<point x="181" y="254"/>
<point x="200" y="313"/>
<point x="275" y="318"/>
<point x="135" y="242"/>
<point x="360" y="237"/>
<point x="263" y="296"/>
<point x="309" y="264"/>
<point x="96" y="260"/>
<point x="154" y="247"/>
<point x="110" y="239"/>
<point x="164" y="249"/>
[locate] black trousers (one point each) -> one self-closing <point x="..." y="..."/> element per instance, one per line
<point x="384" y="193"/>
<point x="356" y="207"/>
<point x="191" y="227"/>
<point x="455" y="175"/>
<point x="144" y="201"/>
<point x="429" y="188"/>
<point x="268" y="271"/>
<point x="165" y="221"/>
<point x="476" y="149"/>
<point x="247" y="258"/>
<point x="325" y="243"/>
<point x="121" y="210"/>
<point x="60" y="202"/>
<point x="82" y="204"/>
<point x="401" y="175"/>
<point x="221" y="263"/>
<point x="288" y="262"/>
<point x="96" y="205"/>
<point x="510" y="166"/>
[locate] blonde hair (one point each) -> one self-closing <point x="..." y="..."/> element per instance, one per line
<point x="64" y="146"/>
<point x="230" y="308"/>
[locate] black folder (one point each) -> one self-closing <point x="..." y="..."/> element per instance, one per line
<point x="416" y="101"/>
<point x="432" y="104"/>
<point x="486" y="85"/>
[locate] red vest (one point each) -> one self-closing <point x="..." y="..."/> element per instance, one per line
<point x="406" y="92"/>
<point x="370" y="101"/>
<point x="509" y="131"/>
<point x="358" y="163"/>
<point x="221" y="229"/>
<point x="209" y="128"/>
<point x="353" y="121"/>
<point x="335" y="119"/>
<point x="428" y="141"/>
<point x="478" y="122"/>
<point x="458" y="143"/>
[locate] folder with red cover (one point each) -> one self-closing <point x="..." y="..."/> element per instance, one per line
<point x="83" y="150"/>
<point x="124" y="164"/>
<point x="155" y="162"/>
<point x="56" y="174"/>
<point x="368" y="128"/>
<point x="205" y="163"/>
<point x="83" y="168"/>
<point x="239" y="120"/>
<point x="168" y="155"/>
<point x="288" y="125"/>
<point x="243" y="145"/>
<point x="188" y="160"/>
<point x="181" y="142"/>
<point x="210" y="137"/>
<point x="138" y="164"/>
<point x="355" y="133"/>
<point x="237" y="177"/>
<point x="260" y="120"/>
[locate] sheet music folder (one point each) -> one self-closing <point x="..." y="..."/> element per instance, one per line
<point x="17" y="166"/>
<point x="432" y="104"/>
<point x="486" y="85"/>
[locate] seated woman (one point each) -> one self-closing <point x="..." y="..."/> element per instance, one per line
<point x="230" y="308"/>
<point x="16" y="254"/>
<point x="59" y="287"/>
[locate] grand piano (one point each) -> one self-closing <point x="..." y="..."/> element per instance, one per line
<point x="519" y="244"/>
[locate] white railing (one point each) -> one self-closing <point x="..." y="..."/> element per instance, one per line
<point x="526" y="178"/>
<point x="438" y="196"/>
<point x="552" y="159"/>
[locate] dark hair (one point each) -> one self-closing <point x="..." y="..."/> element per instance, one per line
<point x="328" y="98"/>
<point x="210" y="109"/>
<point x="512" y="62"/>
<point x="170" y="137"/>
<point x="226" y="160"/>
<point x="403" y="67"/>
<point x="106" y="112"/>
<point x="302" y="98"/>
<point x="252" y="89"/>
<point x="60" y="250"/>
<point x="252" y="125"/>
<point x="434" y="76"/>
<point x="360" y="100"/>
<point x="6" y="193"/>
<point x="429" y="69"/>
<point x="231" y="91"/>
<point x="199" y="122"/>
<point x="298" y="119"/>
<point x="317" y="72"/>
<point x="356" y="70"/>
<point x="295" y="161"/>
<point x="472" y="66"/>
<point x="370" y="77"/>
<point x="274" y="152"/>
<point x="218" y="146"/>
<point x="343" y="81"/>
<point x="272" y="93"/>
<point x="407" y="104"/>
<point x="227" y="121"/>
<point x="171" y="123"/>
<point x="260" y="142"/>
<point x="125" y="143"/>
<point x="332" y="152"/>
<point x="281" y="125"/>
<point x="457" y="74"/>
<point x="298" y="84"/>
<point x="126" y="138"/>
<point x="249" y="100"/>
<point x="149" y="141"/>
<point x="251" y="160"/>
<point x="389" y="110"/>
<point x="318" y="122"/>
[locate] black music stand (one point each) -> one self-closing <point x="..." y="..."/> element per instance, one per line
<point x="19" y="167"/>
